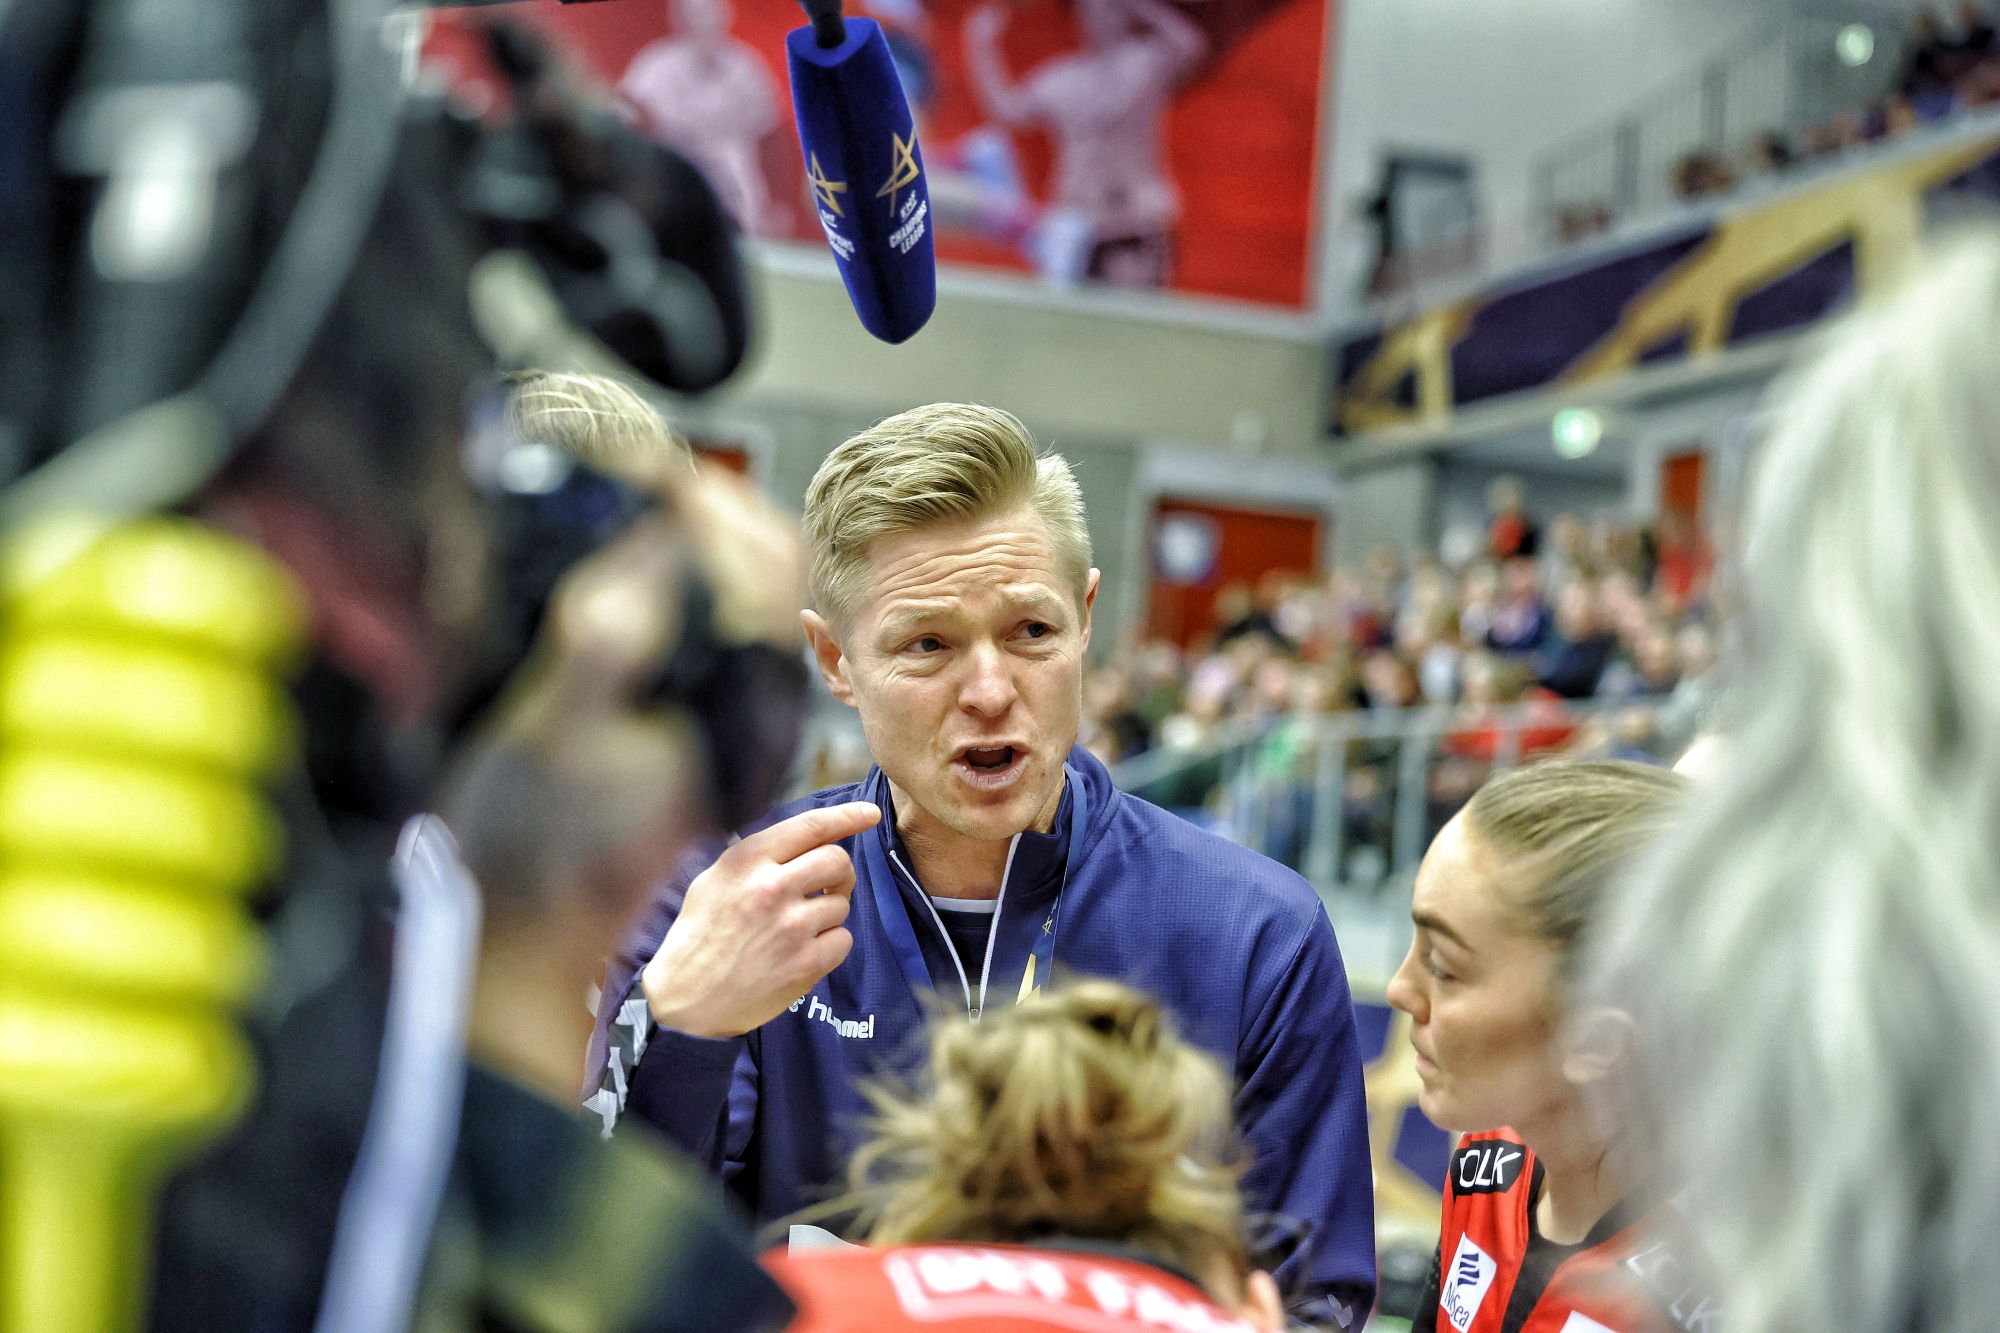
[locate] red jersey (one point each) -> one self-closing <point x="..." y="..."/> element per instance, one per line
<point x="1494" y="1273"/>
<point x="992" y="1288"/>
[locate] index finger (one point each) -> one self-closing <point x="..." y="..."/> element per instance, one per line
<point x="794" y="837"/>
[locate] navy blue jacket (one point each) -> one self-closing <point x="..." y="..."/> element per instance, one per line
<point x="1235" y="946"/>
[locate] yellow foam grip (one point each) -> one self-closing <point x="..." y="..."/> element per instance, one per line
<point x="141" y="713"/>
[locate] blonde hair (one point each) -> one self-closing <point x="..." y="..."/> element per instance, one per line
<point x="596" y="420"/>
<point x="1811" y="957"/>
<point x="947" y="461"/>
<point x="1566" y="830"/>
<point x="1080" y="1113"/>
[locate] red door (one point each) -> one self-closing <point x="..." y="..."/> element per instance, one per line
<point x="1682" y="477"/>
<point x="1685" y="557"/>
<point x="1199" y="549"/>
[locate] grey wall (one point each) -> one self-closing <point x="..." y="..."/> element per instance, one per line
<point x="1392" y="506"/>
<point x="1092" y="365"/>
<point x="1462" y="494"/>
<point x="1499" y="83"/>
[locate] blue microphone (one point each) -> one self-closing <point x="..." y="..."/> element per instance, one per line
<point x="867" y="176"/>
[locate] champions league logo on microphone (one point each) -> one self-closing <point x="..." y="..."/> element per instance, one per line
<point x="904" y="173"/>
<point x="827" y="194"/>
<point x="856" y="134"/>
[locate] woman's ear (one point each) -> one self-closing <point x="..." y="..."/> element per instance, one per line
<point x="1596" y="1043"/>
<point x="1261" y="1304"/>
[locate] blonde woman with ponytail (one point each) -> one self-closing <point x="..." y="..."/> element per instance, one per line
<point x="1067" y="1163"/>
<point x="1544" y="1230"/>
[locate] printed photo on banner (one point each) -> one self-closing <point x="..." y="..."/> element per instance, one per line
<point x="1142" y="143"/>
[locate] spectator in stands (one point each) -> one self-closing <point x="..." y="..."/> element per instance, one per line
<point x="1424" y="639"/>
<point x="1575" y="222"/>
<point x="1621" y="606"/>
<point x="1973" y="44"/>
<point x="1113" y="724"/>
<point x="1631" y="735"/>
<point x="1940" y="74"/>
<point x="1479" y="595"/>
<point x="1977" y="37"/>
<point x="1238" y="614"/>
<point x="1978" y="51"/>
<point x="1430" y="644"/>
<point x="1875" y="120"/>
<point x="1647" y="666"/>
<point x="1809" y="958"/>
<point x="1621" y="546"/>
<point x="1085" y="1136"/>
<point x="1898" y="116"/>
<point x="1429" y="581"/>
<point x="1521" y="620"/>
<point x="1661" y="721"/>
<point x="1819" y="141"/>
<point x="1363" y="607"/>
<point x="1564" y="554"/>
<point x="1850" y="129"/>
<point x="1770" y="153"/>
<point x="1684" y="562"/>
<point x="1699" y="175"/>
<point x="1270" y="691"/>
<point x="1581" y="648"/>
<point x="1295" y="608"/>
<point x="1686" y="711"/>
<point x="1484" y="732"/>
<point x="1388" y="680"/>
<point x="1157" y="682"/>
<point x="1196" y="722"/>
<point x="1509" y="530"/>
<point x="1927" y="67"/>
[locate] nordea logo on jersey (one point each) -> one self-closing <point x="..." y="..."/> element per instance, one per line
<point x="1465" y="1285"/>
<point x="1486" y="1168"/>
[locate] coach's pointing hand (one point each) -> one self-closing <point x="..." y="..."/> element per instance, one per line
<point x="758" y="927"/>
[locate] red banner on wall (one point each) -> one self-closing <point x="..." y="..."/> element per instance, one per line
<point x="1150" y="143"/>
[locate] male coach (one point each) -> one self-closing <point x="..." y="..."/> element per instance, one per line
<point x="951" y="590"/>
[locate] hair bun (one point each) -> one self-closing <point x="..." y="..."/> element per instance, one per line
<point x="1080" y="1113"/>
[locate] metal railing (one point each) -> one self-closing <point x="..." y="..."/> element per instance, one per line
<point x="1778" y="76"/>
<point x="1351" y="800"/>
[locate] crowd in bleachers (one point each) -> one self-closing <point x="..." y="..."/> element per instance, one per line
<point x="1581" y="639"/>
<point x="1599" y="610"/>
<point x="1949" y="66"/>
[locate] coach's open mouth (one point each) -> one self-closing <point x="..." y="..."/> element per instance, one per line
<point x="990" y="766"/>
